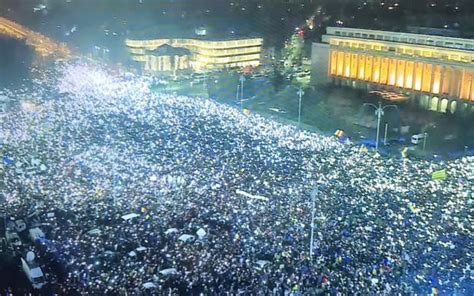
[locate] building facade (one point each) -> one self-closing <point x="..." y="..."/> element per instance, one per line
<point x="166" y="59"/>
<point x="203" y="55"/>
<point x="436" y="73"/>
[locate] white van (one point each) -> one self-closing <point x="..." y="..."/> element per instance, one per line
<point x="418" y="138"/>
<point x="34" y="273"/>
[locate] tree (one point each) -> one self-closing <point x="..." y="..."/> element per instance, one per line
<point x="293" y="51"/>
<point x="277" y="77"/>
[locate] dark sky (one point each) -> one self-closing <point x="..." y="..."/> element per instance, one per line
<point x="86" y="23"/>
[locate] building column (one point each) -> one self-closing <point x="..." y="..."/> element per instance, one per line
<point x="452" y="82"/>
<point x="396" y="73"/>
<point x="422" y="76"/>
<point x="433" y="69"/>
<point x="372" y="70"/>
<point x="459" y="84"/>
<point x="330" y="62"/>
<point x="469" y="88"/>
<point x="441" y="79"/>
<point x="404" y="78"/>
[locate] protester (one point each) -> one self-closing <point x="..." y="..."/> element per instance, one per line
<point x="93" y="148"/>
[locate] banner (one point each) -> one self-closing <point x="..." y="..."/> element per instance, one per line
<point x="439" y="175"/>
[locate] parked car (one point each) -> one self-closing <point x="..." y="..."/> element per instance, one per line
<point x="417" y="138"/>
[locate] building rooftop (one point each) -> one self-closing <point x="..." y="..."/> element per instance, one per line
<point x="168" y="50"/>
<point x="401" y="37"/>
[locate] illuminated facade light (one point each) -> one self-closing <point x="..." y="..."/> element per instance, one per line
<point x="434" y="65"/>
<point x="203" y="55"/>
<point x="43" y="46"/>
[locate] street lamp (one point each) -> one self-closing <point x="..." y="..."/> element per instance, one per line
<point x="379" y="112"/>
<point x="424" y="141"/>
<point x="300" y="94"/>
<point x="313" y="201"/>
<point x="241" y="81"/>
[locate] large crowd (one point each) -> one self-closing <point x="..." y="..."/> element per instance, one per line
<point x="139" y="192"/>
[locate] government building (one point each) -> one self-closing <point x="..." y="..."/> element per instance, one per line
<point x="194" y="55"/>
<point x="433" y="72"/>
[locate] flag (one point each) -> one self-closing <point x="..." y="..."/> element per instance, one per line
<point x="8" y="161"/>
<point x="404" y="152"/>
<point x="339" y="133"/>
<point x="439" y="175"/>
<point x="363" y="149"/>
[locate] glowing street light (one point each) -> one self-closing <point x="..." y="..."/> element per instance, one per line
<point x="313" y="201"/>
<point x="379" y="112"/>
<point x="300" y="94"/>
<point x="241" y="87"/>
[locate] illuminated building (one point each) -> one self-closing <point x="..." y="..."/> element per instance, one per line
<point x="203" y="54"/>
<point x="44" y="46"/>
<point x="166" y="58"/>
<point x="435" y="72"/>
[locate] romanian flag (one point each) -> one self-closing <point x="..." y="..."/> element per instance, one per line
<point x="439" y="175"/>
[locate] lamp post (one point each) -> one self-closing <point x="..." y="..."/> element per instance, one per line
<point x="237" y="93"/>
<point x="241" y="80"/>
<point x="424" y="141"/>
<point x="379" y="112"/>
<point x="300" y="95"/>
<point x="313" y="201"/>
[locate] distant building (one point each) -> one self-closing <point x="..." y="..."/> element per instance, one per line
<point x="166" y="58"/>
<point x="436" y="73"/>
<point x="195" y="54"/>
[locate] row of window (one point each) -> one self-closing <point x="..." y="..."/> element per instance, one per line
<point x="420" y="40"/>
<point x="410" y="51"/>
<point x="191" y="42"/>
